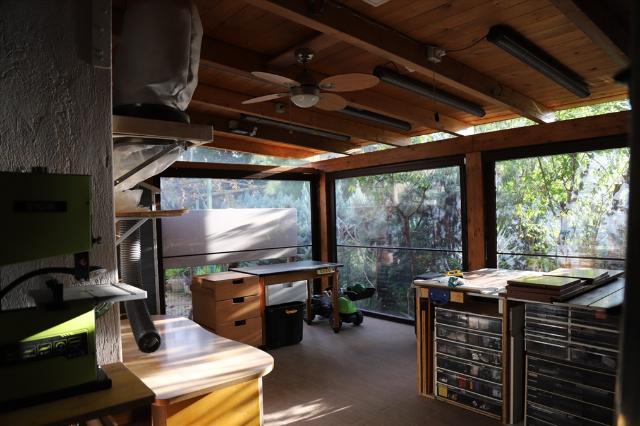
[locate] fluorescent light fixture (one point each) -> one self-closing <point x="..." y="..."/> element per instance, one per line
<point x="295" y="127"/>
<point x="423" y="89"/>
<point x="376" y="118"/>
<point x="527" y="52"/>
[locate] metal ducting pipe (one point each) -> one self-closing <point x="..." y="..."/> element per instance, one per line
<point x="145" y="333"/>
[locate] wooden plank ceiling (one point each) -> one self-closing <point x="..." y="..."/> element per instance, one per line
<point x="352" y="36"/>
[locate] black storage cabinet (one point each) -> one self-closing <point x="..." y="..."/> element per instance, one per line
<point x="284" y="324"/>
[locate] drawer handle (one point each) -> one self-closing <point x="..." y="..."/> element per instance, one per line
<point x="239" y="323"/>
<point x="237" y="281"/>
<point x="238" y="300"/>
<point x="290" y="311"/>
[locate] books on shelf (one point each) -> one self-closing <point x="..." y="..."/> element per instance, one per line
<point x="560" y="284"/>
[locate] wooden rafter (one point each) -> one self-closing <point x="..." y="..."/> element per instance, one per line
<point x="207" y="98"/>
<point x="259" y="146"/>
<point x="223" y="126"/>
<point x="217" y="54"/>
<point x="602" y="23"/>
<point x="579" y="129"/>
<point x="346" y="25"/>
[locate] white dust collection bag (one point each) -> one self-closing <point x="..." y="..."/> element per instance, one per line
<point x="158" y="54"/>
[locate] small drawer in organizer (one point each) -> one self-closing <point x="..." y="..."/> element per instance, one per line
<point x="597" y="358"/>
<point x="469" y="337"/>
<point x="492" y="374"/>
<point x="593" y="336"/>
<point x="595" y="318"/>
<point x="485" y="388"/>
<point x="470" y="399"/>
<point x="541" y="415"/>
<point x="547" y="312"/>
<point x="549" y="329"/>
<point x="577" y="391"/>
<point x="484" y="356"/>
<point x="572" y="373"/>
<point x="536" y="344"/>
<point x="468" y="320"/>
<point x="591" y="412"/>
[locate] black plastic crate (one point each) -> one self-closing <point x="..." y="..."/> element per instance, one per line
<point x="571" y="373"/>
<point x="492" y="374"/>
<point x="284" y="324"/>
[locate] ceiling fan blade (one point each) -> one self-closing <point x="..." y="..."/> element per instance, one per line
<point x="348" y="82"/>
<point x="277" y="79"/>
<point x="265" y="98"/>
<point x="331" y="102"/>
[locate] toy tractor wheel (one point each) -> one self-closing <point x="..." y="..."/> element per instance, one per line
<point x="358" y="318"/>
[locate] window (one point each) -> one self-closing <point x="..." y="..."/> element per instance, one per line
<point x="199" y="194"/>
<point x="391" y="227"/>
<point x="562" y="210"/>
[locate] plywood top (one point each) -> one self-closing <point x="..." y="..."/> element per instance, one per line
<point x="484" y="281"/>
<point x="127" y="392"/>
<point x="191" y="361"/>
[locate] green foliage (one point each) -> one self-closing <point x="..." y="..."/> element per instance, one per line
<point x="397" y="214"/>
<point x="562" y="205"/>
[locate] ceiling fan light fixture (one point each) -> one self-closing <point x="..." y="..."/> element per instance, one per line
<point x="305" y="96"/>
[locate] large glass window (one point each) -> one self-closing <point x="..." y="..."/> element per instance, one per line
<point x="562" y="210"/>
<point x="391" y="227"/>
<point x="205" y="194"/>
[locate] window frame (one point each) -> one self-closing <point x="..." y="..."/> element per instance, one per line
<point x="490" y="158"/>
<point x="238" y="171"/>
<point x="432" y="163"/>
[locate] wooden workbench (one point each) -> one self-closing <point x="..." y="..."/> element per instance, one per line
<point x="127" y="394"/>
<point x="199" y="377"/>
<point x="294" y="271"/>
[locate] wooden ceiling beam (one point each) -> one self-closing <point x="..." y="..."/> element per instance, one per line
<point x="264" y="133"/>
<point x="219" y="55"/>
<point x="603" y="22"/>
<point x="344" y="24"/>
<point x="207" y="97"/>
<point x="258" y="146"/>
<point x="317" y="44"/>
<point x="607" y="125"/>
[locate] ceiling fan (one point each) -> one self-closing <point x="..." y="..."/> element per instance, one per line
<point x="306" y="92"/>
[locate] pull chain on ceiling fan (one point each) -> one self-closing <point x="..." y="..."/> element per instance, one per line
<point x="306" y="92"/>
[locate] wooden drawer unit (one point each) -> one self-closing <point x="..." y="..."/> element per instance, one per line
<point x="228" y="303"/>
<point x="247" y="331"/>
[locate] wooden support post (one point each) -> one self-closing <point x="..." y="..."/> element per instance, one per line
<point x="476" y="255"/>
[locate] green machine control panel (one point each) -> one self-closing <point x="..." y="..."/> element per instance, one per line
<point x="47" y="215"/>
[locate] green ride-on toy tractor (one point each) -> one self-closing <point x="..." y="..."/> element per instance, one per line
<point x="349" y="312"/>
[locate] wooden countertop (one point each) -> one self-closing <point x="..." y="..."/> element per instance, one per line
<point x="191" y="360"/>
<point x="127" y="392"/>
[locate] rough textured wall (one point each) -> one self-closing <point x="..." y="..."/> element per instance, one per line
<point x="55" y="111"/>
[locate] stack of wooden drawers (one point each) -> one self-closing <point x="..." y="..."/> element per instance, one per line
<point x="228" y="303"/>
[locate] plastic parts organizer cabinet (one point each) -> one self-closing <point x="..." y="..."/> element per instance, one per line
<point x="571" y="365"/>
<point x="468" y="360"/>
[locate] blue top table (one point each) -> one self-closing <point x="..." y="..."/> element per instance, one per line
<point x="295" y="271"/>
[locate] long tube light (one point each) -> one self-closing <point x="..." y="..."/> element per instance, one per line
<point x="527" y="52"/>
<point x="407" y="83"/>
<point x="295" y="127"/>
<point x="376" y="118"/>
